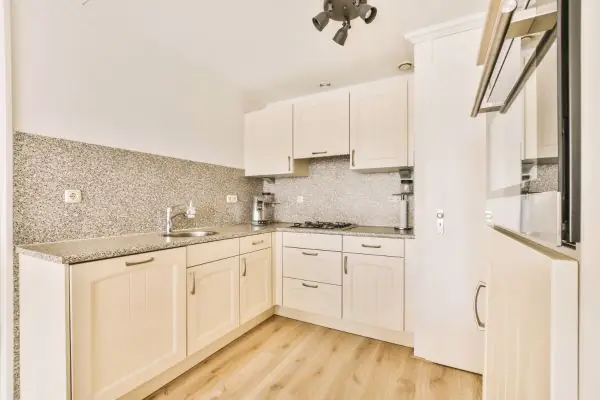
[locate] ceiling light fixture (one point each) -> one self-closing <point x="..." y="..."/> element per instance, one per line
<point x="343" y="11"/>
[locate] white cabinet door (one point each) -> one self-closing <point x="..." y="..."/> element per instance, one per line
<point x="128" y="322"/>
<point x="268" y="142"/>
<point x="213" y="306"/>
<point x="379" y="125"/>
<point x="256" y="293"/>
<point x="373" y="290"/>
<point x="321" y="125"/>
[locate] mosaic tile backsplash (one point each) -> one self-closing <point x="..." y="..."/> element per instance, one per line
<point x="123" y="192"/>
<point x="332" y="192"/>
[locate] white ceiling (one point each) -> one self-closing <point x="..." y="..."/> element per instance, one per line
<point x="269" y="47"/>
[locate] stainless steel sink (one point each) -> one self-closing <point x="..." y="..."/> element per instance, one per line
<point x="190" y="234"/>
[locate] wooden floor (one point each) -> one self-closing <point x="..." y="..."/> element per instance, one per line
<point x="288" y="359"/>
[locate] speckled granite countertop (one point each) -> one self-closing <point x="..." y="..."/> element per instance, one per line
<point x="79" y="251"/>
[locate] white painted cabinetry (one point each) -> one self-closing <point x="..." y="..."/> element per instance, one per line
<point x="128" y="322"/>
<point x="256" y="293"/>
<point x="379" y="125"/>
<point x="373" y="290"/>
<point x="268" y="142"/>
<point x="213" y="302"/>
<point x="321" y="125"/>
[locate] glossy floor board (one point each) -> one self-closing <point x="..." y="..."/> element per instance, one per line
<point x="288" y="359"/>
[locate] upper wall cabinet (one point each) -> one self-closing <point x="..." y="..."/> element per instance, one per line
<point x="321" y="125"/>
<point x="379" y="125"/>
<point x="268" y="143"/>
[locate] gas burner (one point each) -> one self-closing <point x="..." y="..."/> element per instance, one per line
<point x="324" y="225"/>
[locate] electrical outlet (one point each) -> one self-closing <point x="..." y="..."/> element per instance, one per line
<point x="232" y="198"/>
<point x="72" y="196"/>
<point x="300" y="199"/>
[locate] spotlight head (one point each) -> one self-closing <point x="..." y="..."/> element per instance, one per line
<point x="341" y="35"/>
<point x="367" y="13"/>
<point x="321" y="20"/>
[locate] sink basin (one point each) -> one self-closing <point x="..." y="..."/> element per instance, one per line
<point x="190" y="234"/>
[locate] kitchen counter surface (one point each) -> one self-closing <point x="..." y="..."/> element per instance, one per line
<point x="85" y="250"/>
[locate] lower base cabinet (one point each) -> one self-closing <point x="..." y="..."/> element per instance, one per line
<point x="128" y="322"/>
<point x="373" y="290"/>
<point x="314" y="297"/>
<point x="213" y="302"/>
<point x="256" y="293"/>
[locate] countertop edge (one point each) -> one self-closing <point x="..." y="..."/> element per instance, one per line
<point x="71" y="259"/>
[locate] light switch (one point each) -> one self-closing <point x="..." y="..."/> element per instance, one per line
<point x="72" y="196"/>
<point x="232" y="199"/>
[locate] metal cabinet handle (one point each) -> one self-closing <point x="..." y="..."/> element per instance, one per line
<point x="353" y="153"/>
<point x="310" y="254"/>
<point x="193" y="292"/>
<point x="258" y="242"/>
<point x="310" y="286"/>
<point x="346" y="265"/>
<point x="371" y="246"/>
<point x="133" y="263"/>
<point x="478" y="321"/>
<point x="245" y="267"/>
<point x="318" y="152"/>
<point x="289" y="163"/>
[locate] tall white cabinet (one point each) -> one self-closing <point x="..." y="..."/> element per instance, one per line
<point x="450" y="195"/>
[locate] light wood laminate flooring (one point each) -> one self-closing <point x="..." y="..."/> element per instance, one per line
<point x="287" y="359"/>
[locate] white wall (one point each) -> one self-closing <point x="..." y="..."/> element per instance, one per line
<point x="589" y="347"/>
<point x="80" y="74"/>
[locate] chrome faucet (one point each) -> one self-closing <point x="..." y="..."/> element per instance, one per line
<point x="190" y="213"/>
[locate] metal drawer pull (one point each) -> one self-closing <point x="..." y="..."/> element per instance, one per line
<point x="310" y="286"/>
<point x="310" y="254"/>
<point x="245" y="267"/>
<point x="257" y="243"/>
<point x="478" y="321"/>
<point x="318" y="152"/>
<point x="369" y="246"/>
<point x="289" y="163"/>
<point x="346" y="265"/>
<point x="193" y="292"/>
<point x="353" y="153"/>
<point x="133" y="263"/>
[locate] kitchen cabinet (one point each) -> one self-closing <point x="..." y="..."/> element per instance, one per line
<point x="379" y="123"/>
<point x="541" y="107"/>
<point x="373" y="290"/>
<point x="256" y="293"/>
<point x="321" y="125"/>
<point x="268" y="143"/>
<point x="213" y="302"/>
<point x="313" y="297"/>
<point x="452" y="184"/>
<point x="128" y="322"/>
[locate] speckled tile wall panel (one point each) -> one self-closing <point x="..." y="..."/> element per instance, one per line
<point x="545" y="178"/>
<point x="332" y="192"/>
<point x="123" y="192"/>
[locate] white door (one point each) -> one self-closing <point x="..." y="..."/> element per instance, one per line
<point x="268" y="141"/>
<point x="321" y="125"/>
<point x="379" y="125"/>
<point x="256" y="293"/>
<point x="451" y="176"/>
<point x="213" y="302"/>
<point x="373" y="290"/>
<point x="128" y="322"/>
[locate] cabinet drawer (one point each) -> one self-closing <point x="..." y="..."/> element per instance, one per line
<point x="212" y="251"/>
<point x="314" y="297"/>
<point x="372" y="245"/>
<point x="313" y="265"/>
<point x="313" y="241"/>
<point x="255" y="242"/>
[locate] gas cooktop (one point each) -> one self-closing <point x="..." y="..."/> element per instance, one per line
<point x="324" y="225"/>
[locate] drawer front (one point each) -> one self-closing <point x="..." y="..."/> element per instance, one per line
<point x="313" y="241"/>
<point x="372" y="245"/>
<point x="255" y="242"/>
<point x="313" y="265"/>
<point x="314" y="297"/>
<point x="213" y="251"/>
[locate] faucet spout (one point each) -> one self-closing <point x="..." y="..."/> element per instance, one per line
<point x="190" y="213"/>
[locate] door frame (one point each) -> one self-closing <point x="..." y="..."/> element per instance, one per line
<point x="6" y="222"/>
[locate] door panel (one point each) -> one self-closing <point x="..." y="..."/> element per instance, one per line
<point x="256" y="294"/>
